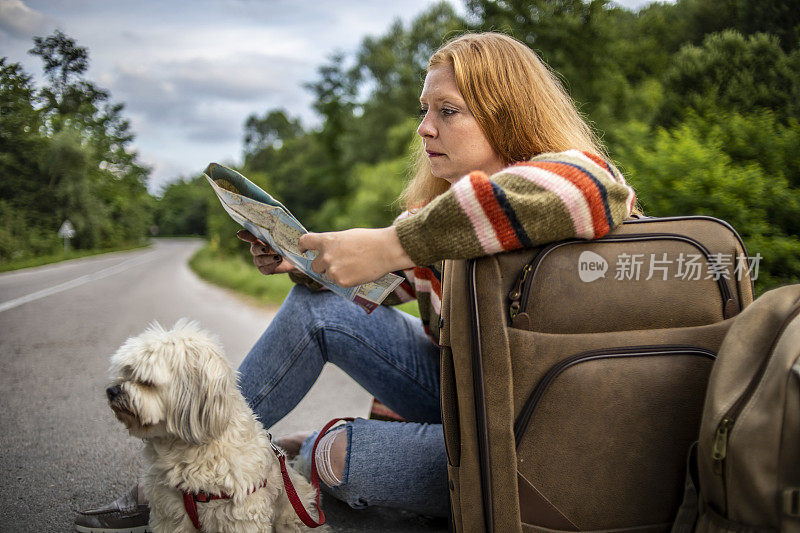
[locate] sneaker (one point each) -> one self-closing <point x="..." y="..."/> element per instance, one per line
<point x="123" y="514"/>
<point x="290" y="444"/>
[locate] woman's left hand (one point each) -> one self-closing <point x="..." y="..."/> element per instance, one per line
<point x="356" y="256"/>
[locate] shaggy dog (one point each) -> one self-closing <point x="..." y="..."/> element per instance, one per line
<point x="176" y="391"/>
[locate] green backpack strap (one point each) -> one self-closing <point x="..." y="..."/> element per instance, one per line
<point x="688" y="512"/>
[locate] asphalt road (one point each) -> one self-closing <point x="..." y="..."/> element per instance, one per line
<point x="60" y="447"/>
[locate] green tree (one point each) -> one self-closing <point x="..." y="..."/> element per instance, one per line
<point x="697" y="167"/>
<point x="389" y="71"/>
<point x="777" y="17"/>
<point x="64" y="150"/>
<point x="183" y="207"/>
<point x="270" y="130"/>
<point x="333" y="100"/>
<point x="303" y="169"/>
<point x="26" y="204"/>
<point x="374" y="202"/>
<point x="730" y="72"/>
<point x="572" y="36"/>
<point x="68" y="93"/>
<point x="72" y="101"/>
<point x="21" y="140"/>
<point x="66" y="164"/>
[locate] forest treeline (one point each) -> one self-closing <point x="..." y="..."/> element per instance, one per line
<point x="697" y="101"/>
<point x="65" y="154"/>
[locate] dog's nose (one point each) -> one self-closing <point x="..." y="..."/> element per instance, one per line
<point x="113" y="392"/>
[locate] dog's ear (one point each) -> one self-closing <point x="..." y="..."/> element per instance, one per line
<point x="204" y="399"/>
<point x="217" y="410"/>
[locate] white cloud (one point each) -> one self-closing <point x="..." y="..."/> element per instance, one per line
<point x="161" y="166"/>
<point x="205" y="100"/>
<point x="19" y="20"/>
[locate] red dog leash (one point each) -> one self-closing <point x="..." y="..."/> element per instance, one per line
<point x="292" y="494"/>
<point x="190" y="499"/>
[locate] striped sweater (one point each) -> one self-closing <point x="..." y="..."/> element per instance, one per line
<point x="551" y="197"/>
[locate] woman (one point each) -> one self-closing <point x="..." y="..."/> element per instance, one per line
<point x="505" y="162"/>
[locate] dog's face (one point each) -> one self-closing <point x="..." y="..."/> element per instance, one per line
<point x="172" y="383"/>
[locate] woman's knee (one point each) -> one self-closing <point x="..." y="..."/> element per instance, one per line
<point x="331" y="457"/>
<point x="396" y="465"/>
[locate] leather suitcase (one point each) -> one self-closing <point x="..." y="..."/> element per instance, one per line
<point x="571" y="390"/>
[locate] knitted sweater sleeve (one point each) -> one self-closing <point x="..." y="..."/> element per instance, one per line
<point x="551" y="197"/>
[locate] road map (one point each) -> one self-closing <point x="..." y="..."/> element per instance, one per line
<point x="266" y="218"/>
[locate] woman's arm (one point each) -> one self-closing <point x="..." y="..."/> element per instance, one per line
<point x="552" y="197"/>
<point x="549" y="198"/>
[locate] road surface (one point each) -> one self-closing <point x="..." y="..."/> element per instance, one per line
<point x="60" y="447"/>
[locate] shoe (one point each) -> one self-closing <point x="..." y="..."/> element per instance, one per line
<point x="123" y="514"/>
<point x="290" y="444"/>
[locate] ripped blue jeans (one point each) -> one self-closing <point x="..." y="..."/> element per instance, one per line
<point x="392" y="464"/>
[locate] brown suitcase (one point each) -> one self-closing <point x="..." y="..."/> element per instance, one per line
<point x="569" y="399"/>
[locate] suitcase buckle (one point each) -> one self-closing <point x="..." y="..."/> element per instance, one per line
<point x="791" y="501"/>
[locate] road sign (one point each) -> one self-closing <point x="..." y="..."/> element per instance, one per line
<point x="66" y="231"/>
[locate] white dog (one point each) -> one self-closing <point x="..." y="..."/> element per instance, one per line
<point x="176" y="391"/>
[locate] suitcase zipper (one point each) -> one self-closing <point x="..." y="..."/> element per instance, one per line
<point x="524" y="418"/>
<point x="520" y="293"/>
<point x="719" y="451"/>
<point x="691" y="217"/>
<point x="516" y="291"/>
<point x="699" y="217"/>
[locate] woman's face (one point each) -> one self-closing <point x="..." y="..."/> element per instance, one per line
<point x="454" y="142"/>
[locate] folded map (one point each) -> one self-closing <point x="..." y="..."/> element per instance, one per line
<point x="266" y="218"/>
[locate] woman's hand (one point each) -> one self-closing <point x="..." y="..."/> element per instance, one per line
<point x="265" y="258"/>
<point x="356" y="256"/>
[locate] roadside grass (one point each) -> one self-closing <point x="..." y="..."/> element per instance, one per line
<point x="29" y="262"/>
<point x="233" y="272"/>
<point x="242" y="277"/>
<point x="409" y="307"/>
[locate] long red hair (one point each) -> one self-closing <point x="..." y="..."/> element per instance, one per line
<point x="519" y="103"/>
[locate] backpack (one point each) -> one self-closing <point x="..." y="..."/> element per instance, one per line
<point x="570" y="390"/>
<point x="748" y="454"/>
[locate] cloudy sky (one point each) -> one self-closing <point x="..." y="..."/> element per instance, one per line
<point x="190" y="72"/>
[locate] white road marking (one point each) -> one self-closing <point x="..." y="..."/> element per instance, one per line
<point x="100" y="274"/>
